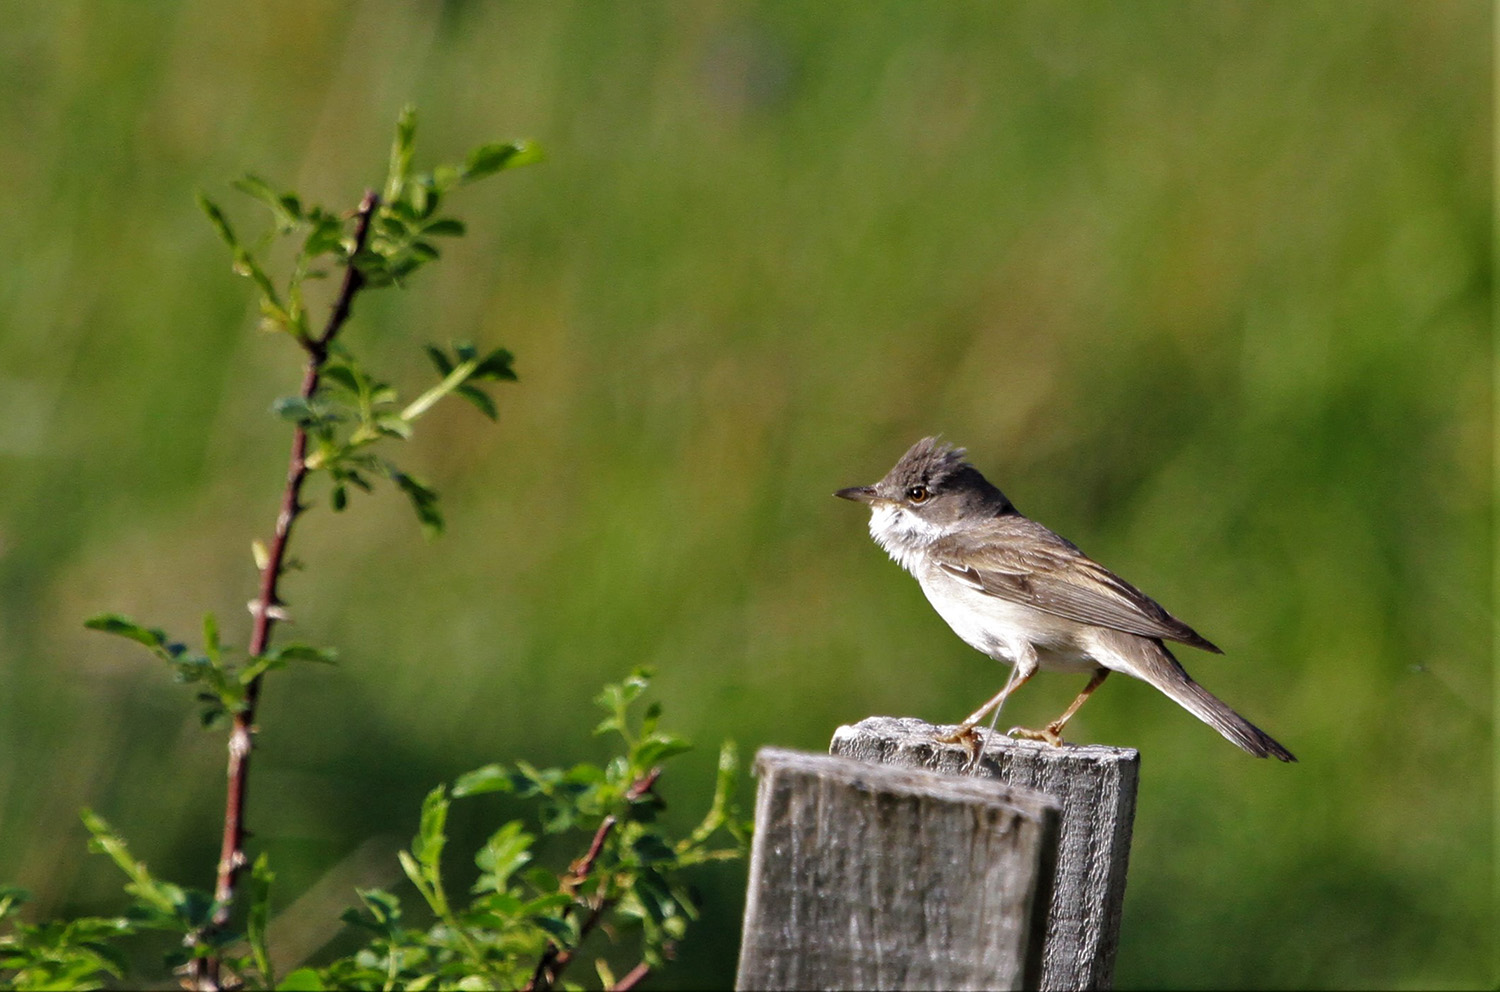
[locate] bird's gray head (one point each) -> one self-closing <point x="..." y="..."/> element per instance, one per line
<point x="931" y="493"/>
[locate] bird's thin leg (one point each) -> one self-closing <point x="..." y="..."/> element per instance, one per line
<point x="995" y="702"/>
<point x="1026" y="666"/>
<point x="1052" y="733"/>
<point x="989" y="734"/>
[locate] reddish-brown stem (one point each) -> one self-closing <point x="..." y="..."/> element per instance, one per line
<point x="579" y="870"/>
<point x="555" y="959"/>
<point x="266" y="608"/>
<point x="632" y="978"/>
<point x="643" y="785"/>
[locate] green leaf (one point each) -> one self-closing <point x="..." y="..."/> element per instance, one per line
<point x="305" y="652"/>
<point x="295" y="409"/>
<point x="490" y="778"/>
<point x="302" y="980"/>
<point x="423" y="500"/>
<point x="326" y="235"/>
<point x="615" y="696"/>
<point x="491" y="158"/>
<point x="649" y="719"/>
<point x="244" y="264"/>
<point x="396" y="222"/>
<point x="413" y="870"/>
<point x="428" y="844"/>
<point x="435" y="354"/>
<point x="544" y="905"/>
<point x="480" y="399"/>
<point x="280" y="658"/>
<point x="564" y="931"/>
<point x="420" y="196"/>
<point x="284" y="207"/>
<point x="445" y="177"/>
<point x="504" y="854"/>
<point x="401" y="153"/>
<point x="657" y="749"/>
<point x="383" y="905"/>
<point x="655" y="894"/>
<point x="211" y="644"/>
<point x="585" y="774"/>
<point x="384" y="916"/>
<point x="649" y="848"/>
<point x="122" y="626"/>
<point x="456" y="375"/>
<point x="444" y="227"/>
<point x="503" y="904"/>
<point x="261" y="878"/>
<point x="218" y="220"/>
<point x="424" y="864"/>
<point x="343" y="376"/>
<point x="498" y="364"/>
<point x="543" y="880"/>
<point x="721" y="811"/>
<point x="394" y="426"/>
<point x="374" y="267"/>
<point x="164" y="900"/>
<point x="273" y="316"/>
<point x="11" y="898"/>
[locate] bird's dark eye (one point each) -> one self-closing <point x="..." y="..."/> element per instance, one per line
<point x="918" y="494"/>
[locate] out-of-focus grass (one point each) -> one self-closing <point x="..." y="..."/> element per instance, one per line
<point x="1206" y="287"/>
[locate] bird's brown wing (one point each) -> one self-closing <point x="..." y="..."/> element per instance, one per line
<point x="1034" y="567"/>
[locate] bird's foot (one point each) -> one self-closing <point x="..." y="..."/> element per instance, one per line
<point x="1048" y="733"/>
<point x="969" y="738"/>
<point x="964" y="734"/>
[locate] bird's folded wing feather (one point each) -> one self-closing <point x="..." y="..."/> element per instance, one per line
<point x="1055" y="577"/>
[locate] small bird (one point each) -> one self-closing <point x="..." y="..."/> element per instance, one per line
<point x="1021" y="594"/>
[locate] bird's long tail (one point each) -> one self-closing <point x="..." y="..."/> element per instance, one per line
<point x="1165" y="673"/>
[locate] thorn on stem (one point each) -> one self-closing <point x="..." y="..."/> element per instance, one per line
<point x="239" y="742"/>
<point x="276" y="611"/>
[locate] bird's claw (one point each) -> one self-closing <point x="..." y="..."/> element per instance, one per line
<point x="964" y="734"/>
<point x="1048" y="734"/>
<point x="969" y="738"/>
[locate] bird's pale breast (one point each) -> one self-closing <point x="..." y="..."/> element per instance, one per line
<point x="1000" y="628"/>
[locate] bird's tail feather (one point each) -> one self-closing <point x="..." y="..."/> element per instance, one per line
<point x="1170" y="677"/>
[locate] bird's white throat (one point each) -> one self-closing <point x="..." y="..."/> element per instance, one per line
<point x="903" y="535"/>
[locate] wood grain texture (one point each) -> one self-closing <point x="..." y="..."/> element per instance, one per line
<point x="877" y="876"/>
<point x="1096" y="789"/>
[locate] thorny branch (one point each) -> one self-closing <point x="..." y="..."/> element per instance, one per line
<point x="555" y="959"/>
<point x="266" y="608"/>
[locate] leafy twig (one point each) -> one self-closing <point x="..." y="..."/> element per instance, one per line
<point x="554" y="959"/>
<point x="266" y="609"/>
<point x="339" y="414"/>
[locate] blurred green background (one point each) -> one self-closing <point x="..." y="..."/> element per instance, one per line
<point x="1205" y="287"/>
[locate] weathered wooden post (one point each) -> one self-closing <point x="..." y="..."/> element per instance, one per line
<point x="809" y="842"/>
<point x="875" y="876"/>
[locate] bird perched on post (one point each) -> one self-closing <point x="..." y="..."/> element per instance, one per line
<point x="1021" y="594"/>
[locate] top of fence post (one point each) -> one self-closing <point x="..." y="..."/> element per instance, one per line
<point x="879" y="876"/>
<point x="1095" y="787"/>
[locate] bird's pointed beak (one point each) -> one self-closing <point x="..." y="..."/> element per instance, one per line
<point x="859" y="494"/>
